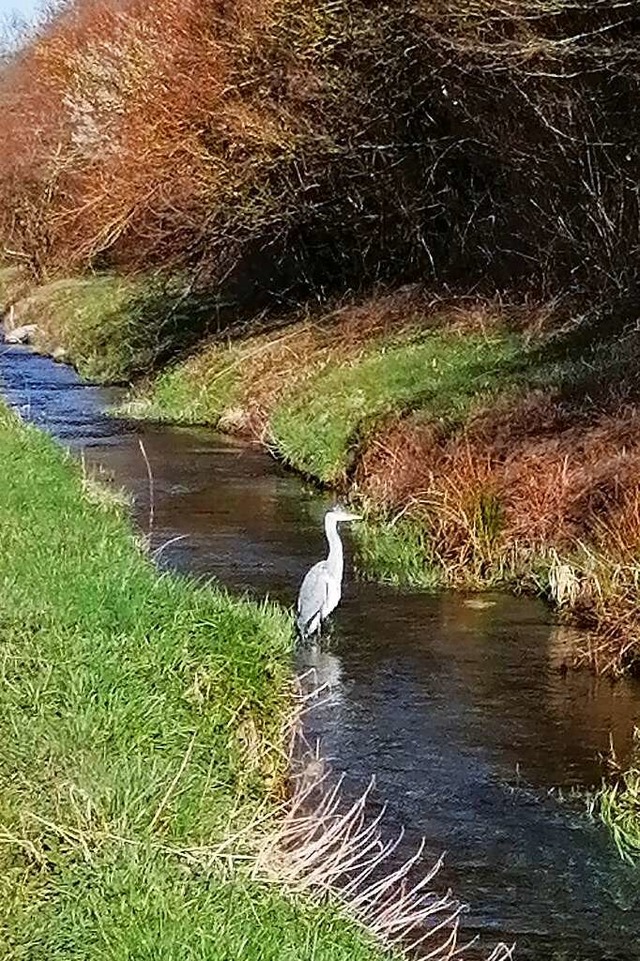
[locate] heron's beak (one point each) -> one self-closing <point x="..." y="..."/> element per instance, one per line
<point x="354" y="517"/>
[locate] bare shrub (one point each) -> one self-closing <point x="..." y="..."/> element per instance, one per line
<point x="287" y="148"/>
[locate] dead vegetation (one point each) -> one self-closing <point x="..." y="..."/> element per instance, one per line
<point x="277" y="150"/>
<point x="326" y="844"/>
<point x="528" y="484"/>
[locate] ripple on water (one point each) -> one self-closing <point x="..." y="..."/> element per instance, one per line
<point x="459" y="706"/>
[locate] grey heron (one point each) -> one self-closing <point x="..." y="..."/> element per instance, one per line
<point x="321" y="589"/>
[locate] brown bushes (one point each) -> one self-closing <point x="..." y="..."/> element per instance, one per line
<point x="184" y="134"/>
<point x="127" y="95"/>
<point x="556" y="484"/>
<point x="289" y="148"/>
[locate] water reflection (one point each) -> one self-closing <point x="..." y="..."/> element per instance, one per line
<point x="459" y="706"/>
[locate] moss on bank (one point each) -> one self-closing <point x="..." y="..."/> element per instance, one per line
<point x="125" y="708"/>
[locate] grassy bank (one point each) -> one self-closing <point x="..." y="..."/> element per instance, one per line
<point x="141" y="721"/>
<point x="112" y="328"/>
<point x="486" y="450"/>
<point x="320" y="428"/>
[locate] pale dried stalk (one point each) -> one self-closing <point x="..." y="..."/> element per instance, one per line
<point x="150" y="480"/>
<point x="322" y="845"/>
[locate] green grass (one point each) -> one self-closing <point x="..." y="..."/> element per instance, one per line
<point x="93" y="320"/>
<point x="140" y="718"/>
<point x="319" y="430"/>
<point x="396" y="553"/>
<point x="116" y="328"/>
<point x="618" y="805"/>
<point x="138" y="907"/>
<point x="619" y="808"/>
<point x="195" y="391"/>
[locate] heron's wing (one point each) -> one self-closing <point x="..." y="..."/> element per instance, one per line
<point x="313" y="593"/>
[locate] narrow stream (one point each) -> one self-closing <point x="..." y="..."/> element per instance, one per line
<point x="477" y="738"/>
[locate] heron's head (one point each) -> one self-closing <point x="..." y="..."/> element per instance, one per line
<point x="339" y="514"/>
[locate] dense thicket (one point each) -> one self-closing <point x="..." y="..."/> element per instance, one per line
<point x="275" y="149"/>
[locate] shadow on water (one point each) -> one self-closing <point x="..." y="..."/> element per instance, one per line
<point x="476" y="736"/>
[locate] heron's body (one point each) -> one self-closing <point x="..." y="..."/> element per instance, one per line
<point x="321" y="589"/>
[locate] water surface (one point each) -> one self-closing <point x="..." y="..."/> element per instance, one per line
<point x="477" y="737"/>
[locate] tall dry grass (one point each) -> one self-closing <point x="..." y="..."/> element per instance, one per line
<point x="532" y="490"/>
<point x="325" y="844"/>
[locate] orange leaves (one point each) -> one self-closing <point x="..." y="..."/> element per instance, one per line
<point x="141" y="103"/>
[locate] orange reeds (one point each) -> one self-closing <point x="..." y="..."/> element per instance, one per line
<point x="533" y="480"/>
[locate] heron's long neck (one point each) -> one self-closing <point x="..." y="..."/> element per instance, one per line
<point x="335" y="558"/>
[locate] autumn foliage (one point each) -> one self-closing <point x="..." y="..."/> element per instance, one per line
<point x="268" y="154"/>
<point x="279" y="148"/>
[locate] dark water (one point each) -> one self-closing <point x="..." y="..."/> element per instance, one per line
<point x="475" y="735"/>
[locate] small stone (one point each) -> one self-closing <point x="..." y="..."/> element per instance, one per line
<point x="21" y="335"/>
<point x="233" y="420"/>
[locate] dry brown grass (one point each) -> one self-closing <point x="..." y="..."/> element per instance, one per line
<point x="560" y="489"/>
<point x="530" y="479"/>
<point x="556" y="475"/>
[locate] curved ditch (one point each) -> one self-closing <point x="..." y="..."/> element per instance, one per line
<point x="460" y="706"/>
